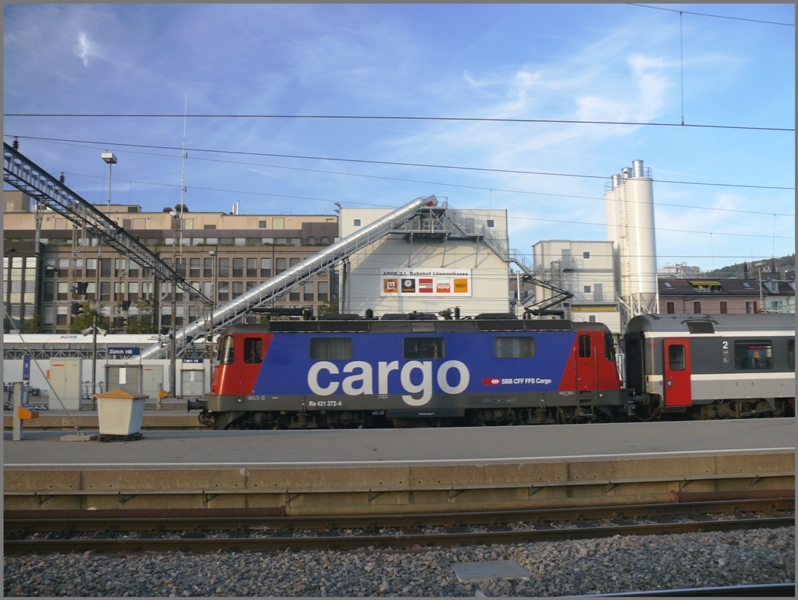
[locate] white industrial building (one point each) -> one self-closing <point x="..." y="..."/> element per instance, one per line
<point x="586" y="270"/>
<point x="429" y="265"/>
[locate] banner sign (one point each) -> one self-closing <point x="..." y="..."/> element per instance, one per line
<point x="425" y="282"/>
<point x="26" y="368"/>
<point x="123" y="352"/>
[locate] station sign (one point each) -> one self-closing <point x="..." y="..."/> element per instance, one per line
<point x="26" y="368"/>
<point x="123" y="352"/>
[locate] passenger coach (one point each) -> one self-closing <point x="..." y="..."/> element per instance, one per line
<point x="718" y="366"/>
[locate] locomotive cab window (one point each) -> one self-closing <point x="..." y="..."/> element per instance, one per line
<point x="609" y="347"/>
<point x="514" y="347"/>
<point x="423" y="347"/>
<point x="253" y="351"/>
<point x="584" y="346"/>
<point x="676" y="357"/>
<point x="331" y="349"/>
<point x="753" y="355"/>
<point x="227" y="348"/>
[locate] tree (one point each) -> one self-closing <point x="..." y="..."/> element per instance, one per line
<point x="82" y="321"/>
<point x="329" y="308"/>
<point x="145" y="321"/>
<point x="32" y="325"/>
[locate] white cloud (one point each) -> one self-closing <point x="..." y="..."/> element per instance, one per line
<point x="85" y="48"/>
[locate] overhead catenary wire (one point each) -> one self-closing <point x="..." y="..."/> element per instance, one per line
<point x="713" y="16"/>
<point x="393" y="118"/>
<point x="388" y="163"/>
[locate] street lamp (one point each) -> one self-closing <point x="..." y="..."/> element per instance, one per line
<point x="213" y="295"/>
<point x="110" y="158"/>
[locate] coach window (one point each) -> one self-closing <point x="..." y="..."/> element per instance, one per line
<point x="753" y="355"/>
<point x="227" y="350"/>
<point x="514" y="347"/>
<point x="253" y="351"/>
<point x="426" y="347"/>
<point x="584" y="346"/>
<point x="791" y="354"/>
<point x="330" y="348"/>
<point x="676" y="357"/>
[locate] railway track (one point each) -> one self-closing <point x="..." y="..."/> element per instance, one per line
<point x="732" y="591"/>
<point x="115" y="531"/>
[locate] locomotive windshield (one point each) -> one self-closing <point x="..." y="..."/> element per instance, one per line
<point x="227" y="350"/>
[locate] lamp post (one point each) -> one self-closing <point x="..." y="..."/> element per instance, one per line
<point x="213" y="295"/>
<point x="109" y="158"/>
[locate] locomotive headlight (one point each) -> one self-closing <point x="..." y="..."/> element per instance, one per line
<point x="240" y="400"/>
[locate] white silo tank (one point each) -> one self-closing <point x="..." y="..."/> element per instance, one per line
<point x="642" y="239"/>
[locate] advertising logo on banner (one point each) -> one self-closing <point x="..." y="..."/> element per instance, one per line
<point x="434" y="282"/>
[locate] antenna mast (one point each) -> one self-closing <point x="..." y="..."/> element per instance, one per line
<point x="183" y="174"/>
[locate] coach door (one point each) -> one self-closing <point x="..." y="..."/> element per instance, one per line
<point x="676" y="373"/>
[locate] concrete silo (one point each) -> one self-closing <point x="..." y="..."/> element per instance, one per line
<point x="630" y="226"/>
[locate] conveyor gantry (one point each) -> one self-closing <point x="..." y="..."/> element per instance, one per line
<point x="37" y="183"/>
<point x="270" y="290"/>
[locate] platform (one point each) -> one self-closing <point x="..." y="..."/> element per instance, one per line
<point x="406" y="470"/>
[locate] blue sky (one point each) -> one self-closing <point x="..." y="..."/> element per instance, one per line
<point x="553" y="62"/>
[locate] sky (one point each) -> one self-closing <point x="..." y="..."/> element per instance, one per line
<point x="545" y="62"/>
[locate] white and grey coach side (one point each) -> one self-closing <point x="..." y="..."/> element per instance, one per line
<point x="717" y="366"/>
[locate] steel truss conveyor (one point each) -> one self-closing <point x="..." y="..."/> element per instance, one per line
<point x="51" y="193"/>
<point x="275" y="287"/>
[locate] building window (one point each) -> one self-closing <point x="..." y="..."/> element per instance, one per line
<point x="207" y="267"/>
<point x="746" y="285"/>
<point x="279" y="266"/>
<point x="587" y="289"/>
<point x="238" y="288"/>
<point x="63" y="289"/>
<point x="253" y="241"/>
<point x="514" y="347"/>
<point x="262" y="224"/>
<point x="311" y="241"/>
<point x="294" y="294"/>
<point x="491" y="223"/>
<point x="267" y="241"/>
<point x="49" y="291"/>
<point x="356" y="223"/>
<point x="61" y="317"/>
<point x="265" y="267"/>
<point x="323" y="291"/>
<point x="585" y="255"/>
<point x="194" y="267"/>
<point x="224" y="267"/>
<point x="209" y="226"/>
<point x="697" y="308"/>
<point x="224" y="291"/>
<point x="307" y="294"/>
<point x="240" y="241"/>
<point x="668" y="284"/>
<point x="105" y="291"/>
<point x="753" y="355"/>
<point x="238" y="267"/>
<point x="296" y="241"/>
<point x="251" y="285"/>
<point x="325" y="240"/>
<point x="292" y="262"/>
<point x="252" y="267"/>
<point x="670" y="307"/>
<point x="724" y="308"/>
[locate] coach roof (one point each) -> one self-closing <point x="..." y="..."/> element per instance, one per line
<point x="711" y="323"/>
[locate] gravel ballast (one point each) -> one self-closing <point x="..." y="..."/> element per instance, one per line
<point x="608" y="565"/>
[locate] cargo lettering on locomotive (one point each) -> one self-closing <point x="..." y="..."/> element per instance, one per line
<point x="362" y="379"/>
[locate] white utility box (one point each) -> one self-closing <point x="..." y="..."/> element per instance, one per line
<point x="120" y="412"/>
